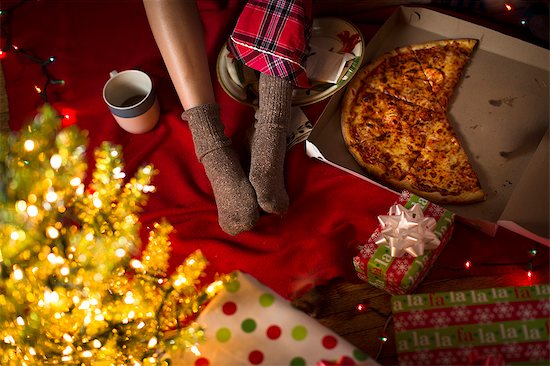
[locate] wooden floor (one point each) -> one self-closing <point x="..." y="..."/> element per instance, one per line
<point x="335" y="305"/>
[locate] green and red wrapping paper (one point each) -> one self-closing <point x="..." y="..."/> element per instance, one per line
<point x="495" y="326"/>
<point x="392" y="267"/>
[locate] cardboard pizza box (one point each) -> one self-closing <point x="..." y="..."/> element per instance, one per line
<point x="500" y="112"/>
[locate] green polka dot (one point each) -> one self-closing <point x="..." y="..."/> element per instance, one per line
<point x="248" y="325"/>
<point x="223" y="335"/>
<point x="233" y="286"/>
<point x="299" y="333"/>
<point x="297" y="361"/>
<point x="359" y="355"/>
<point x="267" y="300"/>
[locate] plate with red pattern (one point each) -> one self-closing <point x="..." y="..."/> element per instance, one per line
<point x="337" y="49"/>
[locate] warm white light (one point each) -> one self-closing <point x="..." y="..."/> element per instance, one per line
<point x="55" y="161"/>
<point x="17" y="274"/>
<point x="21" y="206"/>
<point x="97" y="203"/>
<point x="129" y="298"/>
<point x="52" y="232"/>
<point x="120" y="253"/>
<point x="29" y="145"/>
<point x="32" y="210"/>
<point x="195" y="350"/>
<point x="14" y="235"/>
<point x="51" y="196"/>
<point x="68" y="338"/>
<point x="75" y="182"/>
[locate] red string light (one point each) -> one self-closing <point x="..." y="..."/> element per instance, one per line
<point x="467" y="264"/>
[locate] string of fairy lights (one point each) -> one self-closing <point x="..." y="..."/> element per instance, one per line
<point x="8" y="46"/>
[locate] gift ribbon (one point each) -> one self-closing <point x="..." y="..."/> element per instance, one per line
<point x="407" y="231"/>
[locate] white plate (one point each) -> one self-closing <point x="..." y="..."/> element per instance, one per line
<point x="331" y="34"/>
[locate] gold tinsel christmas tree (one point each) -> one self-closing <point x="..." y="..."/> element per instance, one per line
<point x="75" y="285"/>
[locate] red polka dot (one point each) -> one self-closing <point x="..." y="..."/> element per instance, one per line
<point x="273" y="332"/>
<point x="229" y="308"/>
<point x="329" y="342"/>
<point x="202" y="362"/>
<point x="256" y="357"/>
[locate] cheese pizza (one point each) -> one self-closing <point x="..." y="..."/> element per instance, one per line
<point x="395" y="125"/>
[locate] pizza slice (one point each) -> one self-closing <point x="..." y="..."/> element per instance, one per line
<point x="443" y="63"/>
<point x="384" y="134"/>
<point x="399" y="74"/>
<point x="442" y="172"/>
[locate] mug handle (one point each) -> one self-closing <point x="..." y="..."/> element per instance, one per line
<point x="113" y="73"/>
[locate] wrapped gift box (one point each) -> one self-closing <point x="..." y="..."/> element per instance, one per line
<point x="377" y="265"/>
<point x="495" y="326"/>
<point x="249" y="324"/>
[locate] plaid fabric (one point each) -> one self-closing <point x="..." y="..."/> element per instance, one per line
<point x="271" y="37"/>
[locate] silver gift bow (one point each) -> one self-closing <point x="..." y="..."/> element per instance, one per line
<point x="407" y="230"/>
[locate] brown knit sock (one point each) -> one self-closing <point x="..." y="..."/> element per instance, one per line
<point x="268" y="147"/>
<point x="235" y="197"/>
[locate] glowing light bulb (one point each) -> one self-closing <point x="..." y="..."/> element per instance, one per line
<point x="467" y="264"/>
<point x="29" y="145"/>
<point x="51" y="196"/>
<point x="55" y="161"/>
<point x="32" y="210"/>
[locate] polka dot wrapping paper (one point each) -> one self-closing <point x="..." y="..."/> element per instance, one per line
<point x="249" y="324"/>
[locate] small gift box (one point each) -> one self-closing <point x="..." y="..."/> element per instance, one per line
<point x="494" y="326"/>
<point x="402" y="249"/>
<point x="249" y="324"/>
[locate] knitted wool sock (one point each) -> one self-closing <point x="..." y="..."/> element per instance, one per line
<point x="268" y="146"/>
<point x="234" y="195"/>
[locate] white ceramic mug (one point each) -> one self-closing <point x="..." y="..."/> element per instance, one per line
<point x="132" y="100"/>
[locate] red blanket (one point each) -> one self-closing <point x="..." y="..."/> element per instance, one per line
<point x="331" y="211"/>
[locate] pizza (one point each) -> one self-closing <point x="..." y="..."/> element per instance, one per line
<point x="394" y="121"/>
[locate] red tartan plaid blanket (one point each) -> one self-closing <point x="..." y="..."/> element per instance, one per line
<point x="271" y="37"/>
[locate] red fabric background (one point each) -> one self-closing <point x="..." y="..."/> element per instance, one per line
<point x="331" y="212"/>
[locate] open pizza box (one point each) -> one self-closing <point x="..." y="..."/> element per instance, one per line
<point x="500" y="112"/>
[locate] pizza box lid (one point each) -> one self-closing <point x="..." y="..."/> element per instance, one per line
<point x="500" y="112"/>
